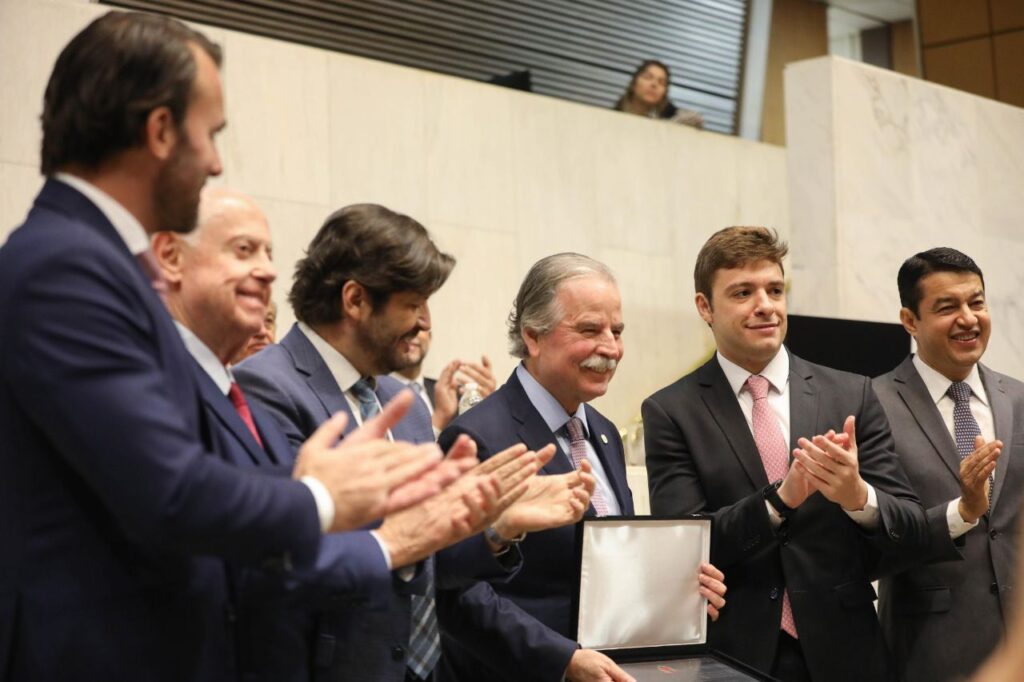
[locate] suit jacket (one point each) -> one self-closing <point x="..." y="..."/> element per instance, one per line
<point x="114" y="513"/>
<point x="943" y="618"/>
<point x="292" y="382"/>
<point x="520" y="629"/>
<point x="701" y="457"/>
<point x="350" y="570"/>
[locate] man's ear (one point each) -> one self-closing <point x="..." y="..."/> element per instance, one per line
<point x="161" y="133"/>
<point x="909" y="321"/>
<point x="355" y="301"/>
<point x="704" y="308"/>
<point x="532" y="340"/>
<point x="168" y="249"/>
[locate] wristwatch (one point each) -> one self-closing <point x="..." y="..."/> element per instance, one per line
<point x="771" y="495"/>
<point x="503" y="544"/>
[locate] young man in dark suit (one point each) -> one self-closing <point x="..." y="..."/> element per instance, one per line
<point x="798" y="543"/>
<point x="954" y="421"/>
<point x="567" y="329"/>
<point x="115" y="514"/>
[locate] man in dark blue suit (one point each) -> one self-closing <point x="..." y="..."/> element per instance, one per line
<point x="566" y="327"/>
<point x="360" y="295"/>
<point x="115" y="513"/>
<point x="218" y="286"/>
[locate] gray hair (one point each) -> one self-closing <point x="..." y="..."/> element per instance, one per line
<point x="536" y="305"/>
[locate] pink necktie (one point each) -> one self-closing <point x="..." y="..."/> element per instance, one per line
<point x="242" y="407"/>
<point x="775" y="457"/>
<point x="578" y="453"/>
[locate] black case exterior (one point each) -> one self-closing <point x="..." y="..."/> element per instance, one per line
<point x="664" y="654"/>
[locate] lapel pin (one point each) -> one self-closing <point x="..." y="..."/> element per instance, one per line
<point x="604" y="439"/>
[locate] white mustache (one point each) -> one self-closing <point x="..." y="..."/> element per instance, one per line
<point x="599" y="363"/>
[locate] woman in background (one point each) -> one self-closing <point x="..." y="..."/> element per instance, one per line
<point x="647" y="95"/>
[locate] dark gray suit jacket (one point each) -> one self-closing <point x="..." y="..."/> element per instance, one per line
<point x="701" y="457"/>
<point x="943" y="618"/>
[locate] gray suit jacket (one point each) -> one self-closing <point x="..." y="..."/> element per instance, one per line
<point x="943" y="618"/>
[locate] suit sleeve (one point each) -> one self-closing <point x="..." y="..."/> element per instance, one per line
<point x="902" y="524"/>
<point x="739" y="530"/>
<point x="88" y="361"/>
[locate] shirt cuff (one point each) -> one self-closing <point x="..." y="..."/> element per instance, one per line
<point x="324" y="502"/>
<point x="956" y="523"/>
<point x="384" y="550"/>
<point x="868" y="516"/>
<point x="773" y="515"/>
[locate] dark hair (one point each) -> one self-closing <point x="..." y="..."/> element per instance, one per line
<point x="734" y="247"/>
<point x="384" y="251"/>
<point x="109" y="78"/>
<point x="920" y="265"/>
<point x="627" y="97"/>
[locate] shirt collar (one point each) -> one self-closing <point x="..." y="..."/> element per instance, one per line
<point x="125" y="224"/>
<point x="776" y="372"/>
<point x="345" y="375"/>
<point x="550" y="409"/>
<point x="937" y="383"/>
<point x="206" y="358"/>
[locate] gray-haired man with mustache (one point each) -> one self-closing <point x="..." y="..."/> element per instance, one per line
<point x="566" y="327"/>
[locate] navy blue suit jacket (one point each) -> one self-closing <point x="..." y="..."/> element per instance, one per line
<point x="292" y="382"/>
<point x="519" y="629"/>
<point x="114" y="513"/>
<point x="350" y="570"/>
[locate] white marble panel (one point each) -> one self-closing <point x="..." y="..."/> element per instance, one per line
<point x="18" y="188"/>
<point x="1000" y="153"/>
<point x="377" y="135"/>
<point x="292" y="227"/>
<point x="469" y="153"/>
<point x="276" y="105"/>
<point x="32" y="34"/>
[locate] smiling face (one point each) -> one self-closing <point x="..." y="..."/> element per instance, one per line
<point x="226" y="275"/>
<point x="747" y="313"/>
<point x="576" y="360"/>
<point x="389" y="336"/>
<point x="952" y="326"/>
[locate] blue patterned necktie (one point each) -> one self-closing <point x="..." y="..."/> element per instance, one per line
<point x="424" y="639"/>
<point x="965" y="426"/>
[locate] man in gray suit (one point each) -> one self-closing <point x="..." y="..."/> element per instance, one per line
<point x="953" y="420"/>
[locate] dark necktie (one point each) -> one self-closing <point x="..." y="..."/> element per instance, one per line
<point x="578" y="454"/>
<point x="775" y="457"/>
<point x="965" y="426"/>
<point x="242" y="407"/>
<point x="425" y="638"/>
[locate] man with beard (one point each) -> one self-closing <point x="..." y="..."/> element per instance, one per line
<point x="360" y="297"/>
<point x="566" y="327"/>
<point x="115" y="512"/>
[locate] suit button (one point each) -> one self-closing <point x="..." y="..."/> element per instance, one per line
<point x="994" y="588"/>
<point x="773" y="594"/>
<point x="398" y="653"/>
<point x="993" y="534"/>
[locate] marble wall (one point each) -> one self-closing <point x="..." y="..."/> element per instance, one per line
<point x="882" y="166"/>
<point x="501" y="178"/>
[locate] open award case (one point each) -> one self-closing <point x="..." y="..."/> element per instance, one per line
<point x="638" y="601"/>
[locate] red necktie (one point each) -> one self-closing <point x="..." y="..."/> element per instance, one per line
<point x="242" y="407"/>
<point x="775" y="457"/>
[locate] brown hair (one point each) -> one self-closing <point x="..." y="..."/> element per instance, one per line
<point x="109" y="78"/>
<point x="625" y="102"/>
<point x="734" y="247"/>
<point x="384" y="251"/>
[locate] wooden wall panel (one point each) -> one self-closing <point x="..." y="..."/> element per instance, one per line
<point x="946" y="20"/>
<point x="1007" y="14"/>
<point x="799" y="30"/>
<point x="965" y="66"/>
<point x="1009" y="63"/>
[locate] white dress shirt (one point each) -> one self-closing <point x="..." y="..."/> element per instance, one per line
<point x="777" y="374"/>
<point x="938" y="385"/>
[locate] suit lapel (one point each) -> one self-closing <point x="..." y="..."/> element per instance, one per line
<point x="803" y="402"/>
<point x="318" y="376"/>
<point x="532" y="429"/>
<point x="724" y="409"/>
<point x="613" y="465"/>
<point x="225" y="412"/>
<point x="1002" y="416"/>
<point x="915" y="396"/>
